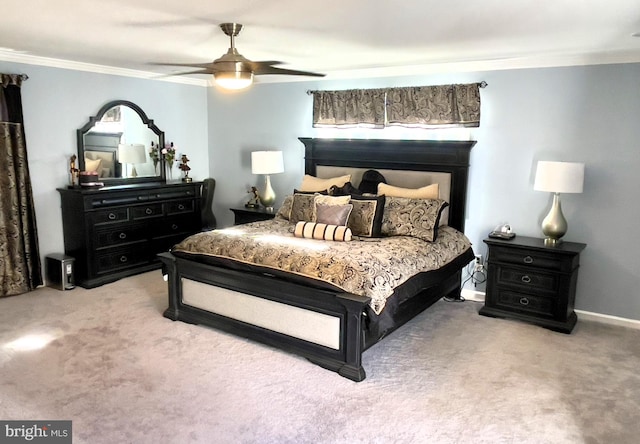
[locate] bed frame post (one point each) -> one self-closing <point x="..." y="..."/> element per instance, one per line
<point x="353" y="340"/>
<point x="170" y="268"/>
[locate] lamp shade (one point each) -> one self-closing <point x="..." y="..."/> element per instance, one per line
<point x="267" y="162"/>
<point x="233" y="79"/>
<point x="559" y="177"/>
<point x="132" y="153"/>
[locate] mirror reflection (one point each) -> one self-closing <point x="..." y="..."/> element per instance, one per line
<point x="120" y="143"/>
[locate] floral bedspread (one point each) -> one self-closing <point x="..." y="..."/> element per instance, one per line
<point x="364" y="266"/>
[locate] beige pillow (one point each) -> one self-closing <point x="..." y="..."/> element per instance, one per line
<point x="312" y="183"/>
<point x="429" y="192"/>
<point x="93" y="165"/>
<point x="321" y="199"/>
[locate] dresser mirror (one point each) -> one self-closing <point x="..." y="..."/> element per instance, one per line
<point x="121" y="144"/>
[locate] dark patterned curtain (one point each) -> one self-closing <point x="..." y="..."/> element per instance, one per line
<point x="441" y="106"/>
<point x="20" y="269"/>
<point x="349" y="108"/>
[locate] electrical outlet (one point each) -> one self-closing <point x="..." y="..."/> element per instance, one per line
<point x="478" y="264"/>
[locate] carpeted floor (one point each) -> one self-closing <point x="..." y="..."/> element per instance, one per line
<point x="124" y="374"/>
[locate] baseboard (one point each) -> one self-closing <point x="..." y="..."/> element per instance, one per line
<point x="478" y="296"/>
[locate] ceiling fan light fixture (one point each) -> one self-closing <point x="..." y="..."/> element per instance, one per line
<point x="233" y="79"/>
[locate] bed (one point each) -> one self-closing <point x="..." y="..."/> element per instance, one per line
<point x="317" y="317"/>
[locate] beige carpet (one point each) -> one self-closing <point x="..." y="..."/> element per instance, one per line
<point x="125" y="374"/>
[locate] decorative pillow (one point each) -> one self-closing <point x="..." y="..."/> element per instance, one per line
<point x="428" y="192"/>
<point x="366" y="217"/>
<point x="412" y="217"/>
<point x="348" y="188"/>
<point x="312" y="183"/>
<point x="285" y="210"/>
<point x="302" y="207"/>
<point x="333" y="214"/>
<point x="328" y="200"/>
<point x="93" y="165"/>
<point x="314" y="230"/>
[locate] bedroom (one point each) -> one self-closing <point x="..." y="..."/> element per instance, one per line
<point x="584" y="113"/>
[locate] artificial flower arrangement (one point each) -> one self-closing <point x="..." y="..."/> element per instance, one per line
<point x="169" y="153"/>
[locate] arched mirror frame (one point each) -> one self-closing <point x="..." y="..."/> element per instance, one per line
<point x="148" y="122"/>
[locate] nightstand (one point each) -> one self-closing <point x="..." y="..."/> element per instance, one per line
<point x="531" y="282"/>
<point x="246" y="215"/>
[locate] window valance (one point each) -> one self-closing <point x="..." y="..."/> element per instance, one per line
<point x="441" y="106"/>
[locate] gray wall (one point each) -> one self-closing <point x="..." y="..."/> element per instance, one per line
<point x="56" y="102"/>
<point x="586" y="114"/>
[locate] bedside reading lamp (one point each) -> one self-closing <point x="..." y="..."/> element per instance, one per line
<point x="267" y="162"/>
<point x="557" y="177"/>
<point x="132" y="154"/>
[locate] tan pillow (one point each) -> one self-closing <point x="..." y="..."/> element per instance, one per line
<point x="321" y="199"/>
<point x="429" y="192"/>
<point x="312" y="183"/>
<point x="93" y="165"/>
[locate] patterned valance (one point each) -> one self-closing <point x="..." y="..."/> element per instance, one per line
<point x="441" y="106"/>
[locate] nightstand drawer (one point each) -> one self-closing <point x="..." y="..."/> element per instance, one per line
<point x="513" y="300"/>
<point x="527" y="258"/>
<point x="528" y="278"/>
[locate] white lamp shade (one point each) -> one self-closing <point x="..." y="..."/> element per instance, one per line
<point x="132" y="153"/>
<point x="559" y="177"/>
<point x="267" y="162"/>
<point x="233" y="79"/>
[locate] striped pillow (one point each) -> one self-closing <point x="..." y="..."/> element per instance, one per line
<point x="314" y="230"/>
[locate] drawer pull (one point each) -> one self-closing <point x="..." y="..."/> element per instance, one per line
<point x="148" y="211"/>
<point x="526" y="279"/>
<point x="524" y="301"/>
<point x="123" y="235"/>
<point x="123" y="259"/>
<point x="174" y="227"/>
<point x="180" y="207"/>
<point x="528" y="260"/>
<point x="112" y="216"/>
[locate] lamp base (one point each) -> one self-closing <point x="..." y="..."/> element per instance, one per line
<point x="554" y="225"/>
<point x="268" y="198"/>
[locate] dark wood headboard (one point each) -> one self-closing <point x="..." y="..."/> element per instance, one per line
<point x="444" y="156"/>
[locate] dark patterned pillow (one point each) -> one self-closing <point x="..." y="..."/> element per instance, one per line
<point x="285" y="210"/>
<point x="333" y="214"/>
<point x="419" y="218"/>
<point x="366" y="217"/>
<point x="302" y="208"/>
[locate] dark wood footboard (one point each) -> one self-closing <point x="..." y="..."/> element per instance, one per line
<point x="348" y="308"/>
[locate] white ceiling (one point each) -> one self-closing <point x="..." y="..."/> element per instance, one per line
<point x="343" y="38"/>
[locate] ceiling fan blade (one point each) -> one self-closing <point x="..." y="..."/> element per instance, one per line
<point x="189" y="65"/>
<point x="260" y="70"/>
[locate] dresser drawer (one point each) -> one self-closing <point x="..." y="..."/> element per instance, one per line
<point x="122" y="234"/>
<point x="527" y="278"/>
<point x="110" y="216"/>
<point x="178" y="225"/>
<point x="122" y="258"/>
<point x="180" y="207"/>
<point x="146" y="211"/>
<point x="524" y="302"/>
<point x="529" y="258"/>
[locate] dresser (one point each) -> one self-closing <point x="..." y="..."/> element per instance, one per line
<point x="531" y="282"/>
<point x="246" y="215"/>
<point x="114" y="232"/>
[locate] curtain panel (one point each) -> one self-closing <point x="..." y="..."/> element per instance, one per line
<point x="20" y="269"/>
<point x="442" y="106"/>
<point x="349" y="108"/>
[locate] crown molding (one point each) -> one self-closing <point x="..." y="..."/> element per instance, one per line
<point x="17" y="57"/>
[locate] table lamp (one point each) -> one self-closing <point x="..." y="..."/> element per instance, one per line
<point x="557" y="177"/>
<point x="267" y="162"/>
<point x="132" y="154"/>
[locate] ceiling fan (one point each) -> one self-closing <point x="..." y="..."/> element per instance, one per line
<point x="233" y="70"/>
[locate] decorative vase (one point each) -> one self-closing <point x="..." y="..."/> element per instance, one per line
<point x="169" y="175"/>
